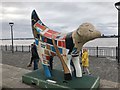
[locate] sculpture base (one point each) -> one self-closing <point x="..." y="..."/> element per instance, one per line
<point x="37" y="78"/>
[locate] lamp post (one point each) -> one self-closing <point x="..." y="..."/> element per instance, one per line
<point x="11" y="24"/>
<point x="117" y="5"/>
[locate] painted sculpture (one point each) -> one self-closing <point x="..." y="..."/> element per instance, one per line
<point x="65" y="46"/>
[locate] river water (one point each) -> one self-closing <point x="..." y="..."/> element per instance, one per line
<point x="100" y="42"/>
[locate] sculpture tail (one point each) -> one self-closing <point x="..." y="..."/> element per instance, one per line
<point x="34" y="17"/>
<point x="37" y="25"/>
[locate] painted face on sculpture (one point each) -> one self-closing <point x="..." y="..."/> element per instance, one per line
<point x="87" y="32"/>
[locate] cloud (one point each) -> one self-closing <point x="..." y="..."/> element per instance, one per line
<point x="59" y="16"/>
<point x="60" y="1"/>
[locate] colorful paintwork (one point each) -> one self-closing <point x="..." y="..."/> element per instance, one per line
<point x="66" y="46"/>
<point x="44" y="34"/>
<point x="43" y="39"/>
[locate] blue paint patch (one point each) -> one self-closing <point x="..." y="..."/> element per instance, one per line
<point x="40" y="22"/>
<point x="38" y="30"/>
<point x="42" y="38"/>
<point x="61" y="50"/>
<point x="36" y="41"/>
<point x="46" y="71"/>
<point x="53" y="49"/>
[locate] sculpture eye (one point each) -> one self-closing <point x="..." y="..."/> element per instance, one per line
<point x="90" y="30"/>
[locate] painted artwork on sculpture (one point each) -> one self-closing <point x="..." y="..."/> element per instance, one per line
<point x="66" y="46"/>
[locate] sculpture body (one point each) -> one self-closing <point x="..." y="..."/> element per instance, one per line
<point x="65" y="46"/>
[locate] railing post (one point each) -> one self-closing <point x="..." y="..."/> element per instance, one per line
<point x="29" y="48"/>
<point x="16" y="48"/>
<point x="118" y="55"/>
<point x="13" y="49"/>
<point x="22" y="48"/>
<point x="6" y="47"/>
<point x="116" y="52"/>
<point x="97" y="51"/>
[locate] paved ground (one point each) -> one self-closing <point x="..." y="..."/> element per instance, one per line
<point x="105" y="68"/>
<point x="13" y="79"/>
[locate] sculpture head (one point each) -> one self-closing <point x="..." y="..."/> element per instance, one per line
<point x="88" y="32"/>
<point x="85" y="33"/>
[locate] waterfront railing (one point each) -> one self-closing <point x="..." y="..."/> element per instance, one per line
<point x="16" y="48"/>
<point x="93" y="51"/>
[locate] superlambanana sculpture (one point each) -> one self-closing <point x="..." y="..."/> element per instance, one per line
<point x="65" y="46"/>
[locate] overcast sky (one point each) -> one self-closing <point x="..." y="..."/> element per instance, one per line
<point x="59" y="16"/>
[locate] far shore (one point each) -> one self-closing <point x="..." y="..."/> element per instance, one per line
<point x="110" y="36"/>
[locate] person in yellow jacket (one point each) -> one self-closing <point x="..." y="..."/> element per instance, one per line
<point x="85" y="61"/>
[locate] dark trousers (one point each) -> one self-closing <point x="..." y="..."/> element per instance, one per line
<point x="31" y="60"/>
<point x="36" y="64"/>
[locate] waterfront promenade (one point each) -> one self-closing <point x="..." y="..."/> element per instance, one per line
<point x="106" y="68"/>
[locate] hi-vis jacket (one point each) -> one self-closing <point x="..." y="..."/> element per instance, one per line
<point x="85" y="60"/>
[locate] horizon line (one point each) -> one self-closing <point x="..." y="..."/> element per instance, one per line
<point x="108" y="36"/>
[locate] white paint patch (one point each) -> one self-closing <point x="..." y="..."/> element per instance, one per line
<point x="51" y="81"/>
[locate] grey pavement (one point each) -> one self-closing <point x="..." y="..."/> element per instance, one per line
<point x="105" y="68"/>
<point x="12" y="77"/>
<point x="15" y="65"/>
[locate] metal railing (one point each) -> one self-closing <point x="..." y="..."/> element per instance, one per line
<point x="93" y="51"/>
<point x="17" y="48"/>
<point x="103" y="51"/>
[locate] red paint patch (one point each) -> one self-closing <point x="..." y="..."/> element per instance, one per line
<point x="53" y="32"/>
<point x="45" y="40"/>
<point x="47" y="35"/>
<point x="61" y="44"/>
<point x="53" y="54"/>
<point x="48" y="57"/>
<point x="40" y="26"/>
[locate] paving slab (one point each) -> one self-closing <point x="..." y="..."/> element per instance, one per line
<point x="109" y="84"/>
<point x="12" y="77"/>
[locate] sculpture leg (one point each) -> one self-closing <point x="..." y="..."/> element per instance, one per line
<point x="69" y="57"/>
<point x="46" y="71"/>
<point x="68" y="76"/>
<point x="77" y="66"/>
<point x="71" y="63"/>
<point x="67" y="73"/>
